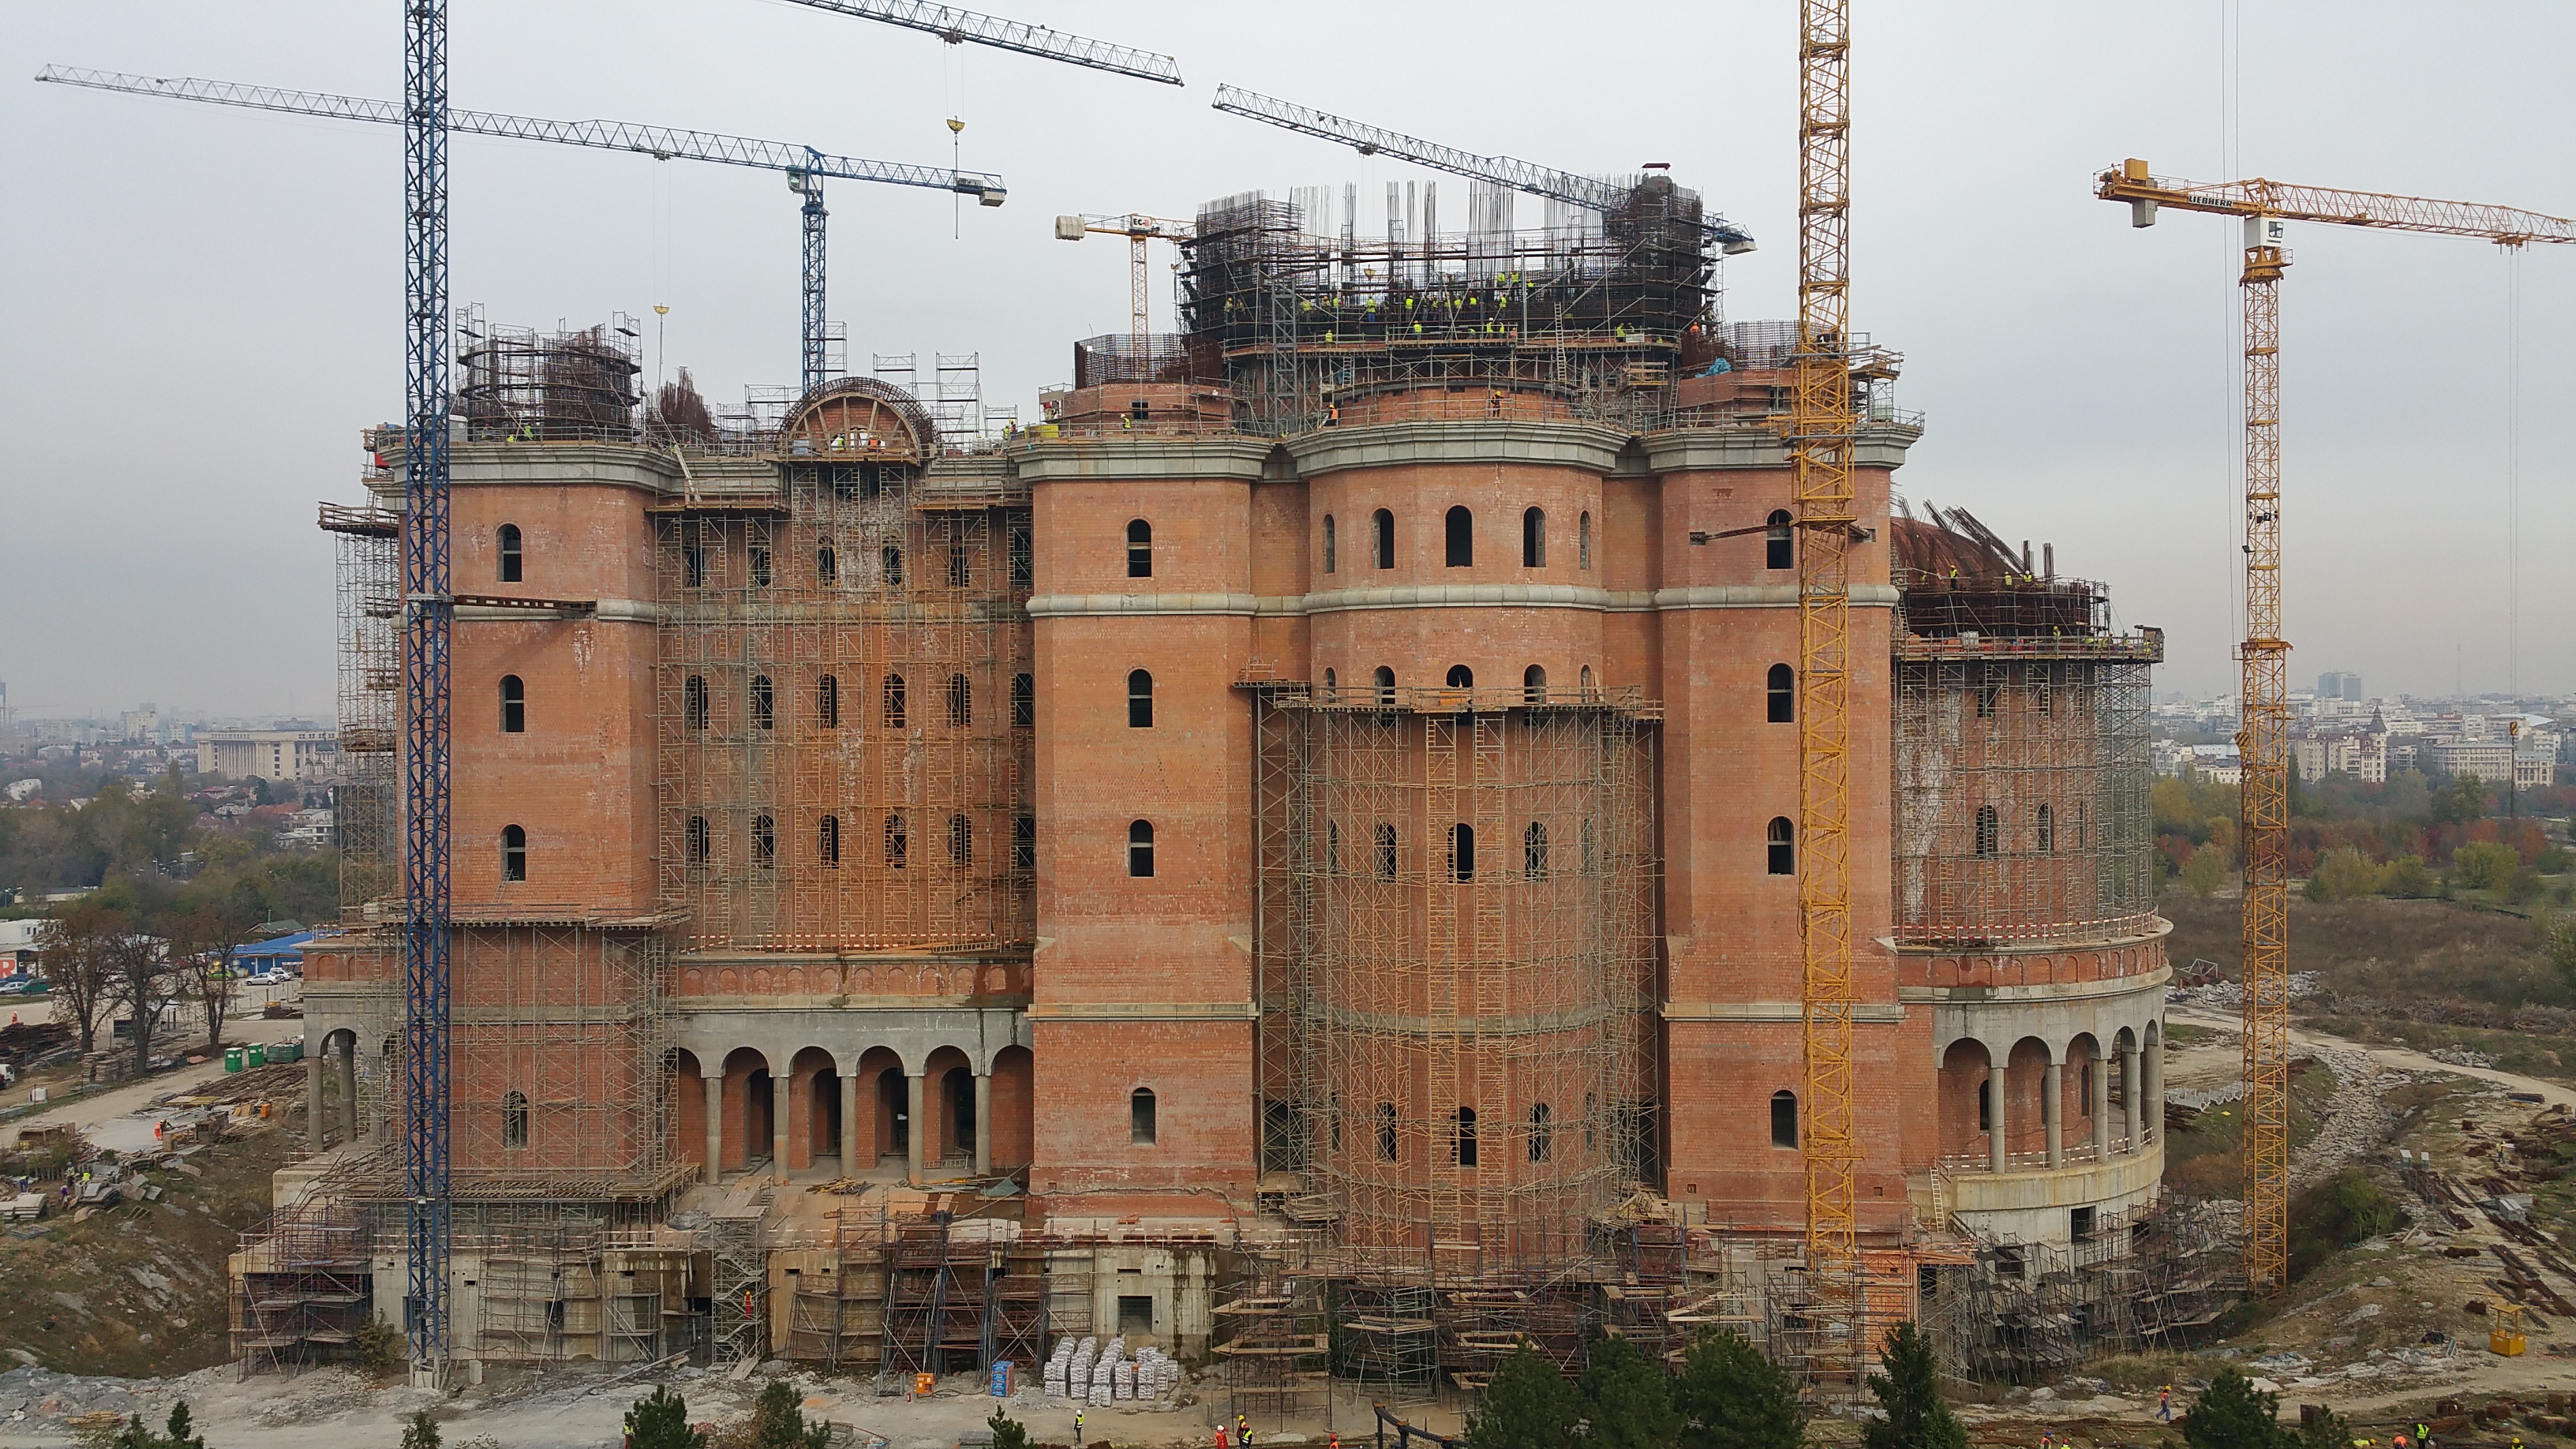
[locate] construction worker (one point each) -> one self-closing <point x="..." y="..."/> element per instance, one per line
<point x="1220" y="1437"/>
<point x="2164" y="1396"/>
<point x="1077" y="1427"/>
<point x="1242" y="1429"/>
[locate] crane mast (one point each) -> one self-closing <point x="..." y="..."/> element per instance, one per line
<point x="1821" y="422"/>
<point x="2263" y="659"/>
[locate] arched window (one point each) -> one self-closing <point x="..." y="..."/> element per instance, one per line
<point x="693" y="701"/>
<point x="693" y="565"/>
<point x="1140" y="1117"/>
<point x="961" y="702"/>
<point x="1784" y="1119"/>
<point x="961" y="567"/>
<point x="698" y="840"/>
<point x="1140" y="699"/>
<point x="1534" y="538"/>
<point x="1542" y="1133"/>
<point x="1462" y="1141"/>
<point x="1986" y="1103"/>
<point x="1140" y="850"/>
<point x="759" y="565"/>
<point x="1587" y="849"/>
<point x="1386" y="1130"/>
<point x="506" y="538"/>
<point x="1534" y="851"/>
<point x="827" y="701"/>
<point x="1332" y="686"/>
<point x="1586" y="682"/>
<point x="1783" y="838"/>
<point x="1461" y="536"/>
<point x="1382" y="525"/>
<point x="1024" y="701"/>
<point x="1328" y="543"/>
<point x="514" y="853"/>
<point x="1989" y="830"/>
<point x="827" y="841"/>
<point x="514" y="705"/>
<point x="1779" y="548"/>
<point x="1583" y="540"/>
<point x="961" y="841"/>
<point x="1462" y="852"/>
<point x="894" y="701"/>
<point x="764" y="842"/>
<point x="1332" y="847"/>
<point x="1385" y="851"/>
<point x="1534" y="685"/>
<point x="1784" y="694"/>
<point x="827" y="566"/>
<point x="1140" y="549"/>
<point x="764" y="703"/>
<point x="514" y="1119"/>
<point x="2047" y="830"/>
<point x="1024" y="844"/>
<point x="890" y="565"/>
<point x="1461" y="677"/>
<point x="898" y="842"/>
<point x="1385" y="681"/>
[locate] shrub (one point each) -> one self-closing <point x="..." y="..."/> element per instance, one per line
<point x="1731" y="1397"/>
<point x="2554" y="861"/>
<point x="420" y="1432"/>
<point x="2340" y="1212"/>
<point x="2207" y="870"/>
<point x="2343" y="874"/>
<point x="381" y="1350"/>
<point x="1527" y="1405"/>
<point x="1626" y="1396"/>
<point x="1009" y="1433"/>
<point x="2407" y="878"/>
<point x="2233" y="1414"/>
<point x="2484" y="865"/>
<point x="660" y="1420"/>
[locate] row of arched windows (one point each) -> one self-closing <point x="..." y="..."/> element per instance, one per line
<point x="827" y="563"/>
<point x="700" y="842"/>
<point x="2043" y="831"/>
<point x="1457" y="538"/>
<point x="696" y="703"/>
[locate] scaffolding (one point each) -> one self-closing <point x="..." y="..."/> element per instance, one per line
<point x="366" y="542"/>
<point x="836" y="1316"/>
<point x="846" y="705"/>
<point x="304" y="1288"/>
<point x="2008" y="1311"/>
<point x="517" y="384"/>
<point x="1309" y="321"/>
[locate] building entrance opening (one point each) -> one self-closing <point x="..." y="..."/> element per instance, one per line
<point x="894" y="1101"/>
<point x="958" y="1090"/>
<point x="759" y="1116"/>
<point x="1136" y="1316"/>
<point x="824" y="1091"/>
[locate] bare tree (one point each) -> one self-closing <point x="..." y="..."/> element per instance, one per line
<point x="203" y="944"/>
<point x="143" y="980"/>
<point x="77" y="949"/>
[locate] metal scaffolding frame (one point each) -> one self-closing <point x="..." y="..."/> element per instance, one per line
<point x="367" y="574"/>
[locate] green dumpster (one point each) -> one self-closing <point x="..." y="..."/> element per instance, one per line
<point x="258" y="1055"/>
<point x="232" y="1059"/>
<point x="286" y="1051"/>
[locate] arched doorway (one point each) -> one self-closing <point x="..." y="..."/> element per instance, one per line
<point x="813" y="1108"/>
<point x="957" y="1094"/>
<point x="1014" y="1125"/>
<point x="823" y="1117"/>
<point x="760" y="1118"/>
<point x="894" y="1115"/>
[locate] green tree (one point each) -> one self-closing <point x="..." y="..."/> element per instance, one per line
<point x="2207" y="870"/>
<point x="660" y="1420"/>
<point x="2562" y="947"/>
<point x="420" y="1432"/>
<point x="1732" y="1397"/>
<point x="1910" y="1393"/>
<point x="2341" y="875"/>
<point x="1627" y="1397"/>
<point x="2461" y="801"/>
<point x="2483" y="865"/>
<point x="2408" y="878"/>
<point x="2326" y="1429"/>
<point x="1527" y="1405"/>
<point x="778" y="1421"/>
<point x="181" y="1433"/>
<point x="1010" y="1433"/>
<point x="2233" y="1414"/>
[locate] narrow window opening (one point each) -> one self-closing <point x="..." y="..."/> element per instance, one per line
<point x="514" y="1119"/>
<point x="2047" y="830"/>
<point x="961" y="841"/>
<point x="2079" y="1224"/>
<point x="1784" y="1119"/>
<point x="1024" y="701"/>
<point x="961" y="702"/>
<point x="1024" y="844"/>
<point x="890" y="565"/>
<point x="1534" y="851"/>
<point x="759" y="565"/>
<point x="514" y="705"/>
<point x="698" y="840"/>
<point x="1462" y="852"/>
<point x="1534" y="685"/>
<point x="1779" y="544"/>
<point x="1587" y="682"/>
<point x="1383" y="525"/>
<point x="1462" y="1143"/>
<point x="827" y="701"/>
<point x="693" y="701"/>
<point x="827" y="566"/>
<point x="508" y="540"/>
<point x="514" y="853"/>
<point x="1140" y="1117"/>
<point x="1328" y="543"/>
<point x="827" y="841"/>
<point x="693" y="565"/>
<point x="1386" y="861"/>
<point x="1332" y="847"/>
<point x="1140" y="850"/>
<point x="1587" y="849"/>
<point x="961" y="568"/>
<point x="1986" y="1105"/>
<point x="1583" y="540"/>
<point x="1385" y="680"/>
<point x="1534" y="539"/>
<point x="1542" y="1134"/>
<point x="1024" y="560"/>
<point x="764" y="703"/>
<point x="1140" y="549"/>
<point x="764" y="842"/>
<point x="1988" y="830"/>
<point x="1386" y="1130"/>
<point x="1140" y="699"/>
<point x="894" y="701"/>
<point x="1461" y="677"/>
<point x="898" y="842"/>
<point x="1460" y="534"/>
<point x="1332" y="686"/>
<point x="1783" y="689"/>
<point x="1784" y="849"/>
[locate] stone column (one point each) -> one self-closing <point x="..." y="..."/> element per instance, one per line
<point x="850" y="1164"/>
<point x="715" y="1126"/>
<point x="913" y="1133"/>
<point x="2129" y="1095"/>
<point x="2052" y="1110"/>
<point x="983" y="1124"/>
<point x="2155" y="1103"/>
<point x="1994" y="1116"/>
<point x="778" y="1127"/>
<point x="313" y="1099"/>
<point x="349" y="1090"/>
<point x="2101" y="1107"/>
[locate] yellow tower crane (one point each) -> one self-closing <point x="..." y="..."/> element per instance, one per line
<point x="2263" y="742"/>
<point x="1138" y="229"/>
<point x="1822" y="419"/>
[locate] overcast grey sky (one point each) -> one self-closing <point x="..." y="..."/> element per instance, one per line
<point x="200" y="308"/>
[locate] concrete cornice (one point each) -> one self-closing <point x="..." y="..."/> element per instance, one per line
<point x="1445" y="596"/>
<point x="1689" y="450"/>
<point x="1472" y="596"/>
<point x="1882" y="1013"/>
<point x="2157" y="929"/>
<point x="1142" y="1011"/>
<point x="2005" y="997"/>
<point x="611" y="611"/>
<point x="1473" y="440"/>
<point x="1073" y="606"/>
<point x="1765" y="596"/>
<point x="1225" y="457"/>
